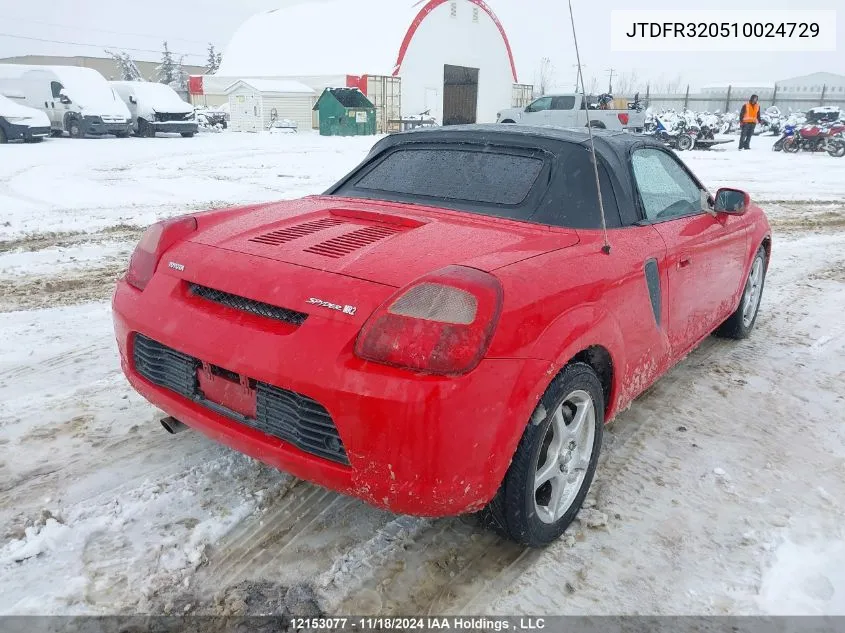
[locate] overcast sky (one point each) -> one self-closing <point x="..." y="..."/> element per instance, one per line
<point x="537" y="29"/>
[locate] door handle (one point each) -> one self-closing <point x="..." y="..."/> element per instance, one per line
<point x="684" y="261"/>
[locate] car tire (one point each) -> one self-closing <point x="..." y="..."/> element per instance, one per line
<point x="187" y="134"/>
<point x="523" y="509"/>
<point x="598" y="125"/>
<point x="685" y="142"/>
<point x="740" y="324"/>
<point x="122" y="134"/>
<point x="145" y="130"/>
<point x="509" y="121"/>
<point x="74" y="128"/>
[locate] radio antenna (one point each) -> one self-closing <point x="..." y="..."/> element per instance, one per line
<point x="606" y="248"/>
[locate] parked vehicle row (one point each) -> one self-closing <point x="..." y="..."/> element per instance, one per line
<point x="80" y="102"/>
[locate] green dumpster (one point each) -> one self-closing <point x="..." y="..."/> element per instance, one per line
<point x="345" y="112"/>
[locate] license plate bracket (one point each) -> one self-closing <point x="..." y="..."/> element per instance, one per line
<point x="227" y="389"/>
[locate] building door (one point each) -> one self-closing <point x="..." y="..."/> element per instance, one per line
<point x="460" y="95"/>
<point x="248" y="106"/>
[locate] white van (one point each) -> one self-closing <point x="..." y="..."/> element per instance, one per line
<point x="77" y="100"/>
<point x="18" y="122"/>
<point x="156" y="107"/>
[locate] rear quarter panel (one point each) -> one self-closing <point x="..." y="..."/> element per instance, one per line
<point x="565" y="302"/>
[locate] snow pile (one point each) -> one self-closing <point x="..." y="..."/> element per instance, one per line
<point x="38" y="540"/>
<point x="806" y="579"/>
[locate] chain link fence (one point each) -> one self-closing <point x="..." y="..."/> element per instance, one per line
<point x="733" y="98"/>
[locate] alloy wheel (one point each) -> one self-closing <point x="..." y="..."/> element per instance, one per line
<point x="564" y="456"/>
<point x="753" y="292"/>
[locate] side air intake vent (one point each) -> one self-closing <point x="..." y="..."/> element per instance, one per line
<point x="339" y="246"/>
<point x="282" y="236"/>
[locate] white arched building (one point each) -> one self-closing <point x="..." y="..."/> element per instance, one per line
<point x="452" y="56"/>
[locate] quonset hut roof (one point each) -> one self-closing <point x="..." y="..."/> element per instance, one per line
<point x="331" y="37"/>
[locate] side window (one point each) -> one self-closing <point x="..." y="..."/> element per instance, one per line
<point x="666" y="189"/>
<point x="540" y="105"/>
<point x="573" y="199"/>
<point x="56" y="88"/>
<point x="563" y="103"/>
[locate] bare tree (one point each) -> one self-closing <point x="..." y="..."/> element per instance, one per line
<point x="544" y="76"/>
<point x="627" y="84"/>
<point x="673" y="86"/>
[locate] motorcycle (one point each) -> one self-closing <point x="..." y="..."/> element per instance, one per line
<point x="672" y="130"/>
<point x="818" y="138"/>
<point x="788" y="133"/>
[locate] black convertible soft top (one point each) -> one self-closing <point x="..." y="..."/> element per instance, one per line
<point x="568" y="173"/>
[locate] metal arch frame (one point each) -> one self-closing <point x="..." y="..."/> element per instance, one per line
<point x="431" y="6"/>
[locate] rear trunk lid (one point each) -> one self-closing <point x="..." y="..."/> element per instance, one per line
<point x="387" y="243"/>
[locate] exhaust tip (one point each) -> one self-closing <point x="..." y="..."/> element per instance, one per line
<point x="172" y="425"/>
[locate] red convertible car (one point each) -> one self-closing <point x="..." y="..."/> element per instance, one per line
<point x="445" y="331"/>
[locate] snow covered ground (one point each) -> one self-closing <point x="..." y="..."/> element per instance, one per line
<point x="722" y="490"/>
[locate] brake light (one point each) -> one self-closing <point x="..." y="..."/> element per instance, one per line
<point x="442" y="324"/>
<point x="623" y="118"/>
<point x="156" y="240"/>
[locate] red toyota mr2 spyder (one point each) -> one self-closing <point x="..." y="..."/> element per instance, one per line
<point x="445" y="331"/>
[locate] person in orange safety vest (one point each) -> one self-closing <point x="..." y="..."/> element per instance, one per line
<point x="749" y="117"/>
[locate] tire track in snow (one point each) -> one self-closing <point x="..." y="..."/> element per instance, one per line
<point x="69" y="288"/>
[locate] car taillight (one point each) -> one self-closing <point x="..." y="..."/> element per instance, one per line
<point x="156" y="240"/>
<point x="441" y="324"/>
<point x="623" y="118"/>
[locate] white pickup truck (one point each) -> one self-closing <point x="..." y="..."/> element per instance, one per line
<point x="569" y="110"/>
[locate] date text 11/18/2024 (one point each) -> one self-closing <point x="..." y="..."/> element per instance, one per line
<point x="430" y="623"/>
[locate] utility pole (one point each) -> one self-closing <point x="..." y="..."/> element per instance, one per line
<point x="579" y="80"/>
<point x="610" y="71"/>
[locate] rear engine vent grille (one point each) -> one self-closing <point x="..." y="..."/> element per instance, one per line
<point x="298" y="420"/>
<point x="164" y="366"/>
<point x="339" y="246"/>
<point x="248" y="305"/>
<point x="286" y="415"/>
<point x="282" y="236"/>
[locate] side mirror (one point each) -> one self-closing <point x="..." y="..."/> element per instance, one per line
<point x="65" y="99"/>
<point x="732" y="201"/>
<point x="133" y="100"/>
<point x="528" y="109"/>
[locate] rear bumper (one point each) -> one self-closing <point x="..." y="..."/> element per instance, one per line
<point x="421" y="445"/>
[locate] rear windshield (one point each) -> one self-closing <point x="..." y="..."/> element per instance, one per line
<point x="552" y="184"/>
<point x="502" y="177"/>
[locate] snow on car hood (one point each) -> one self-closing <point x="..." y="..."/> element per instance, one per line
<point x="381" y="242"/>
<point x="159" y="97"/>
<point x="31" y="117"/>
